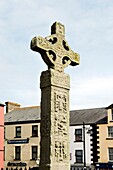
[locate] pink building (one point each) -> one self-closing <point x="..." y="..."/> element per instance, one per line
<point x="1" y="135"/>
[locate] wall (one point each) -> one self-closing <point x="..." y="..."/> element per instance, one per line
<point x="1" y="136"/>
<point x="26" y="132"/>
<point x="104" y="141"/>
<point x="79" y="145"/>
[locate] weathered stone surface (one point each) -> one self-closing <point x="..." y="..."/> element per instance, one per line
<point x="54" y="49"/>
<point x="55" y="85"/>
<point x="54" y="121"/>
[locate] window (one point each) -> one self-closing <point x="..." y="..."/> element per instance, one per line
<point x="35" y="130"/>
<point x="18" y="132"/>
<point x="34" y="152"/>
<point x="79" y="156"/>
<point x="4" y="132"/>
<point x="4" y="153"/>
<point x="17" y="152"/>
<point x="78" y="134"/>
<point x="70" y="156"/>
<point x="110" y="131"/>
<point x="112" y="114"/>
<point x="110" y="154"/>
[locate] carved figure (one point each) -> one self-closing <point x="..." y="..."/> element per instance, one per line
<point x="60" y="151"/>
<point x="60" y="126"/>
<point x="60" y="102"/>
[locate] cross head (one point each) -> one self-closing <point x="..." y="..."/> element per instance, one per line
<point x="54" y="49"/>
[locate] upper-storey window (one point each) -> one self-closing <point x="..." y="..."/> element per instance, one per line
<point x="18" y="132"/>
<point x="78" y="135"/>
<point x="112" y="114"/>
<point x="34" y="130"/>
<point x="110" y="131"/>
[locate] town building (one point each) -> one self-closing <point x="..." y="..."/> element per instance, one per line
<point x="91" y="137"/>
<point x="22" y="136"/>
<point x="84" y="137"/>
<point x="1" y="136"/>
<point x="105" y="142"/>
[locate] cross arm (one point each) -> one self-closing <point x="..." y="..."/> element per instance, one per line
<point x="43" y="46"/>
<point x="39" y="44"/>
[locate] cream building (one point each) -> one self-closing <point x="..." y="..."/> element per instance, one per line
<point x="105" y="141"/>
<point x="22" y="136"/>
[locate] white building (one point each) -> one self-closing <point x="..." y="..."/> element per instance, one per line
<point x="83" y="137"/>
<point x="77" y="145"/>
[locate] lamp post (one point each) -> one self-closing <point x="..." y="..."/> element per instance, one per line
<point x="84" y="148"/>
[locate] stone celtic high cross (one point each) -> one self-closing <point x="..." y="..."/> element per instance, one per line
<point x="54" y="49"/>
<point x="55" y="85"/>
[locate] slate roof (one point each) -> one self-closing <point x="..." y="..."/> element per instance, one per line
<point x="88" y="116"/>
<point x="77" y="117"/>
<point x="25" y="114"/>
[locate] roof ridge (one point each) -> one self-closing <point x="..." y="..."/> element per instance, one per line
<point x="89" y="109"/>
<point x="27" y="107"/>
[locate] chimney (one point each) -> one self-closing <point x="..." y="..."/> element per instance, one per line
<point x="11" y="106"/>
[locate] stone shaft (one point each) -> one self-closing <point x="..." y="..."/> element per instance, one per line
<point x="54" y="152"/>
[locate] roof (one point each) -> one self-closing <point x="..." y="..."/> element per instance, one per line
<point x="88" y="116"/>
<point x="110" y="107"/>
<point x="2" y="104"/>
<point x="25" y="114"/>
<point x="32" y="114"/>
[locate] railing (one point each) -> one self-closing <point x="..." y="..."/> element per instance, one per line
<point x="20" y="168"/>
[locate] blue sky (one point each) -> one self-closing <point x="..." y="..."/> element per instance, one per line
<point x="89" y="32"/>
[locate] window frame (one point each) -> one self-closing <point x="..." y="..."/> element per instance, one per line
<point x="78" y="157"/>
<point x="4" y="132"/>
<point x="110" y="132"/>
<point x="112" y="114"/>
<point x="4" y="153"/>
<point x="110" y="154"/>
<point x="34" y="132"/>
<point x="78" y="136"/>
<point x="34" y="152"/>
<point x="17" y="153"/>
<point x="17" y="132"/>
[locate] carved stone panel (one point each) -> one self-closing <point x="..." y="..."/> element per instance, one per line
<point x="60" y="151"/>
<point x="53" y="78"/>
<point x="60" y="102"/>
<point x="60" y="125"/>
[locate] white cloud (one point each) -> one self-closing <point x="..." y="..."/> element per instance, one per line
<point x="88" y="31"/>
<point x="93" y="92"/>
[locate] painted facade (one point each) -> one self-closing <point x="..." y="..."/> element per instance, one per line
<point x="26" y="141"/>
<point x="96" y="149"/>
<point x="84" y="137"/>
<point x="1" y="136"/>
<point x="83" y="146"/>
<point x="105" y="141"/>
<point x="22" y="136"/>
